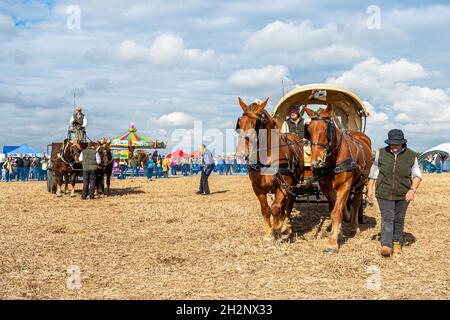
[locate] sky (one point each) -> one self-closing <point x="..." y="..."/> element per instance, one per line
<point x="167" y="65"/>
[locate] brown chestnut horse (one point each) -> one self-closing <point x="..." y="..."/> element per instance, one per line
<point x="276" y="165"/>
<point x="341" y="161"/>
<point x="105" y="167"/>
<point x="65" y="164"/>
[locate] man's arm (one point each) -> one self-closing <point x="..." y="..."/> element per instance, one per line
<point x="373" y="176"/>
<point x="97" y="158"/>
<point x="85" y="121"/>
<point x="284" y="128"/>
<point x="71" y="120"/>
<point x="416" y="180"/>
<point x="81" y="157"/>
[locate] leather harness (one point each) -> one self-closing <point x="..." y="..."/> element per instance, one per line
<point x="345" y="165"/>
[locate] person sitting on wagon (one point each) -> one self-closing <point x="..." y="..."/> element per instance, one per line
<point x="294" y="123"/>
<point x="78" y="121"/>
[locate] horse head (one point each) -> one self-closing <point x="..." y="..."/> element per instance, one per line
<point x="253" y="119"/>
<point x="72" y="151"/>
<point x="104" y="150"/>
<point x="322" y="132"/>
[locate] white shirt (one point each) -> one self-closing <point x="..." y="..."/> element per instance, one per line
<point x="374" y="171"/>
<point x="84" y="120"/>
<point x="97" y="158"/>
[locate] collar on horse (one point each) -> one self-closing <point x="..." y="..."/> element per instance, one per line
<point x="62" y="155"/>
<point x="348" y="164"/>
<point x="287" y="168"/>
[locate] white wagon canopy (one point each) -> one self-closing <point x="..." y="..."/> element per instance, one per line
<point x="349" y="112"/>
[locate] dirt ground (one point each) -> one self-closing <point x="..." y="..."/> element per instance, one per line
<point x="158" y="240"/>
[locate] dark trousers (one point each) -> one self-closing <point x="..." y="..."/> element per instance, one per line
<point x="89" y="179"/>
<point x="206" y="171"/>
<point x="392" y="220"/>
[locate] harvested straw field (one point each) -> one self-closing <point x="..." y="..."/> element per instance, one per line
<point x="158" y="240"/>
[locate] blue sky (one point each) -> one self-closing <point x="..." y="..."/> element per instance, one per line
<point x="166" y="64"/>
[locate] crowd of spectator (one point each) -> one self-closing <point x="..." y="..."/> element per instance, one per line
<point x="24" y="168"/>
<point x="160" y="166"/>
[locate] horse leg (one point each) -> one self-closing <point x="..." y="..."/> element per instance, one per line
<point x="66" y="184"/>
<point x="265" y="211"/>
<point x="332" y="245"/>
<point x="276" y="208"/>
<point x="326" y="184"/>
<point x="58" y="185"/>
<point x="356" y="204"/>
<point x="108" y="183"/>
<point x="288" y="206"/>
<point x="72" y="184"/>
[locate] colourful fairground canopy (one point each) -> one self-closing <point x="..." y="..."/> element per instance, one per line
<point x="134" y="139"/>
<point x="179" y="154"/>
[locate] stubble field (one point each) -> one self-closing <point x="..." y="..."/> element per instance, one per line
<point x="159" y="240"/>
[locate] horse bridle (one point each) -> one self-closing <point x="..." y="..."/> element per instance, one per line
<point x="329" y="132"/>
<point x="259" y="122"/>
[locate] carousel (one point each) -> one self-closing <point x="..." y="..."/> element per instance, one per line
<point x="126" y="145"/>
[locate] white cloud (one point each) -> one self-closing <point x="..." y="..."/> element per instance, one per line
<point x="290" y="37"/>
<point x="302" y="42"/>
<point x="166" y="49"/>
<point x="268" y="77"/>
<point x="423" y="111"/>
<point x="174" y="119"/>
<point x="7" y="25"/>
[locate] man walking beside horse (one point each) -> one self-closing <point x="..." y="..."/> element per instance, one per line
<point x="91" y="161"/>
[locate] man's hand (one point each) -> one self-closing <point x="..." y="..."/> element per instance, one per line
<point x="410" y="195"/>
<point x="370" y="197"/>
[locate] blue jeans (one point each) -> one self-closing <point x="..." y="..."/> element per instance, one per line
<point x="123" y="171"/>
<point x="149" y="173"/>
<point x="439" y="167"/>
<point x="26" y="174"/>
<point x="173" y="170"/>
<point x="43" y="175"/>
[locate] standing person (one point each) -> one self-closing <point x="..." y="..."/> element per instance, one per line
<point x="78" y="121"/>
<point x="165" y="163"/>
<point x="3" y="169"/>
<point x="150" y="167"/>
<point x="44" y="168"/>
<point x="173" y="168"/>
<point x="207" y="166"/>
<point x="395" y="176"/>
<point x="18" y="169"/>
<point x="158" y="168"/>
<point x="26" y="168"/>
<point x="438" y="162"/>
<point x="123" y="167"/>
<point x="37" y="168"/>
<point x="9" y="169"/>
<point x="90" y="159"/>
<point x="133" y="165"/>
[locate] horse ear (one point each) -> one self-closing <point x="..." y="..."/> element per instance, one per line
<point x="309" y="112"/>
<point x="263" y="105"/>
<point x="242" y="104"/>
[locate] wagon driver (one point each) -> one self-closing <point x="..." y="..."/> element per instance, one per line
<point x="294" y="123"/>
<point x="78" y="121"/>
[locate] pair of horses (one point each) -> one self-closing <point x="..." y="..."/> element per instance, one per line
<point x="67" y="167"/>
<point x="340" y="160"/>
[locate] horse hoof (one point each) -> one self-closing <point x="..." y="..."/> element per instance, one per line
<point x="331" y="250"/>
<point x="59" y="195"/>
